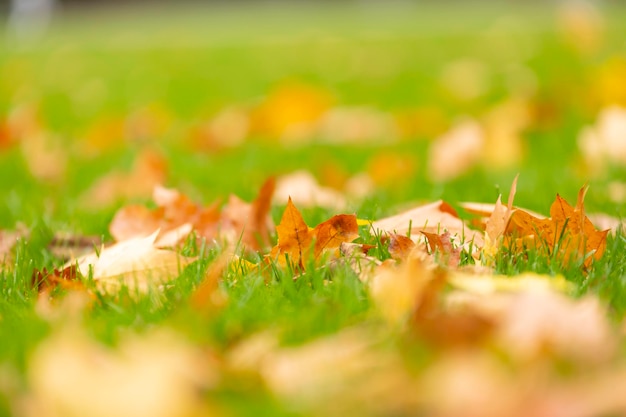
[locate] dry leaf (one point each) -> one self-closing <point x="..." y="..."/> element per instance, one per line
<point x="355" y="255"/>
<point x="581" y="25"/>
<point x="348" y="373"/>
<point x="491" y="284"/>
<point x="443" y="245"/>
<point x="207" y="297"/>
<point x="334" y="231"/>
<point x="134" y="263"/>
<point x="503" y="125"/>
<point x="148" y="171"/>
<point x="576" y="329"/>
<point x="8" y="240"/>
<point x="457" y="151"/>
<point x="249" y="223"/>
<point x="435" y="217"/>
<point x="497" y="222"/>
<point x="604" y="142"/>
<point x="568" y="232"/>
<point x="605" y="222"/>
<point x="291" y="112"/>
<point x="400" y="246"/>
<point x="396" y="289"/>
<point x="357" y="125"/>
<point x="471" y="383"/>
<point x="304" y="190"/>
<point x="66" y="278"/>
<point x="177" y="216"/>
<point x="391" y="168"/>
<point x="227" y="129"/>
<point x="296" y="239"/>
<point x="158" y="374"/>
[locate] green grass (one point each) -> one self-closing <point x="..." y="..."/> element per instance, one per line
<point x="194" y="62"/>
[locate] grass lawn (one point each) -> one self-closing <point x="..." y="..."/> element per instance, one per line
<point x="213" y="102"/>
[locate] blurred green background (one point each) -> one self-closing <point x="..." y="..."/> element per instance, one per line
<point x="228" y="94"/>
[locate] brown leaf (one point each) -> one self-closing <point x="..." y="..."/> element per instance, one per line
<point x="66" y="278"/>
<point x="335" y="231"/>
<point x="432" y="218"/>
<point x="400" y="246"/>
<point x="261" y="221"/>
<point x="443" y="244"/>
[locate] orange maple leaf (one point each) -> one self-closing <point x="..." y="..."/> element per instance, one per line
<point x="296" y="240"/>
<point x="567" y="233"/>
<point x="334" y="231"/>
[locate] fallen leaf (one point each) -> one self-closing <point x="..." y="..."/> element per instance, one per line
<point x="397" y="289"/>
<point x="357" y="125"/>
<point x="355" y="255"/>
<point x="155" y="374"/>
<point x="605" y="222"/>
<point x="455" y="152"/>
<point x="581" y="25"/>
<point x="149" y="170"/>
<point x="568" y="233"/>
<point x="291" y="112"/>
<point x="503" y="125"/>
<point x="134" y="263"/>
<point x="208" y="297"/>
<point x="577" y="329"/>
<point x="491" y="284"/>
<point x="249" y="223"/>
<point x="400" y="246"/>
<point x="443" y="245"/>
<point x="391" y="169"/>
<point x="302" y="187"/>
<point x="296" y="240"/>
<point x="497" y="222"/>
<point x="334" y="231"/>
<point x="350" y="372"/>
<point x="8" y="240"/>
<point x="431" y="218"/>
<point x="604" y="142"/>
<point x="228" y="128"/>
<point x="177" y="216"/>
<point x="66" y="278"/>
<point x="444" y="327"/>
